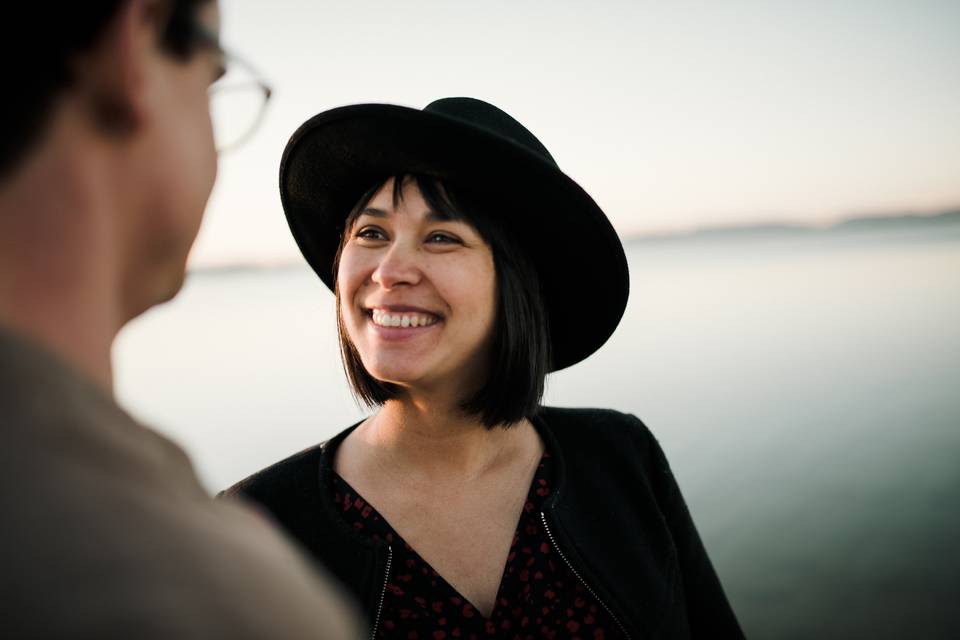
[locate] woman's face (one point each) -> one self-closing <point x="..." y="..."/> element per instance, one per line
<point x="417" y="294"/>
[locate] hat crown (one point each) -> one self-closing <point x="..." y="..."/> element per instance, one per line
<point x="483" y="115"/>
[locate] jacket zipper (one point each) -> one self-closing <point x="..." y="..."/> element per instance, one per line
<point x="553" y="541"/>
<point x="383" y="593"/>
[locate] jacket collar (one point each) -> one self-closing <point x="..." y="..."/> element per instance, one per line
<point x="328" y="451"/>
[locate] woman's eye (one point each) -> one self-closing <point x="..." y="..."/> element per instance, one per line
<point x="442" y="238"/>
<point x="370" y="233"/>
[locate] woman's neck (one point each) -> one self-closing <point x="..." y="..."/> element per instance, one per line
<point x="442" y="441"/>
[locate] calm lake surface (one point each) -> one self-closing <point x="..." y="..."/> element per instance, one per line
<point x="806" y="389"/>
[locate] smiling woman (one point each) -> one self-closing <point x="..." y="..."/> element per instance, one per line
<point x="466" y="267"/>
<point x="433" y="235"/>
<point x="401" y="263"/>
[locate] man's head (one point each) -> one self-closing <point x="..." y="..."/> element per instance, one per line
<point x="45" y="67"/>
<point x="108" y="104"/>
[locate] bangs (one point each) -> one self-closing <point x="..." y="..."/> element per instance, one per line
<point x="433" y="191"/>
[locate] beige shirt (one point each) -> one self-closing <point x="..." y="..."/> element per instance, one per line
<point x="105" y="531"/>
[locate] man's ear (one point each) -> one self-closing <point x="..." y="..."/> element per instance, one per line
<point x="113" y="75"/>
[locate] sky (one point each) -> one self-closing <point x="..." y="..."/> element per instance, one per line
<point x="672" y="115"/>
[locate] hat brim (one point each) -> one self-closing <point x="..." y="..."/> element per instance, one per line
<point x="334" y="157"/>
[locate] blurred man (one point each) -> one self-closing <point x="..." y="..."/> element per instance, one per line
<point x="106" y="162"/>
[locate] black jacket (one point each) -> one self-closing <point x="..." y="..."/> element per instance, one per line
<point x="616" y="516"/>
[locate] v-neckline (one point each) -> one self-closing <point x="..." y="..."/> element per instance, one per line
<point x="395" y="538"/>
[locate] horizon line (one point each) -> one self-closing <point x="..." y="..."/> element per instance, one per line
<point x="855" y="222"/>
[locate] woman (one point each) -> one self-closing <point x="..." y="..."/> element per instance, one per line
<point x="466" y="266"/>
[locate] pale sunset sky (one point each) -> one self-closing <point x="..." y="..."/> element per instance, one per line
<point x="673" y="115"/>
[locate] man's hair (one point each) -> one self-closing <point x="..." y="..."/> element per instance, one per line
<point x="520" y="350"/>
<point x="40" y="42"/>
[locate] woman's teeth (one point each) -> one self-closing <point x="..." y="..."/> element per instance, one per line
<point x="385" y="319"/>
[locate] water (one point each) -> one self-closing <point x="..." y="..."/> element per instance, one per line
<point x="805" y="390"/>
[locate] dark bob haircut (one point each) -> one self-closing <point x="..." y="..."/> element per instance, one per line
<point x="520" y="350"/>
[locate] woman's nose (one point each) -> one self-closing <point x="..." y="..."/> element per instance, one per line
<point x="399" y="266"/>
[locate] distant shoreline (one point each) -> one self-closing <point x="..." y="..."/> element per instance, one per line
<point x="854" y="225"/>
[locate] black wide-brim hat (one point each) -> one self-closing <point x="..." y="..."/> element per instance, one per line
<point x="336" y="156"/>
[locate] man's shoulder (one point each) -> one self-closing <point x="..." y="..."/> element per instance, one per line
<point x="63" y="433"/>
<point x="138" y="519"/>
<point x="107" y="526"/>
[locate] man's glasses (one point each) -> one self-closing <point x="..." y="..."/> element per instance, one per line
<point x="238" y="98"/>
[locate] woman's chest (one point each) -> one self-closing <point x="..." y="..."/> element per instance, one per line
<point x="528" y="592"/>
<point x="463" y="535"/>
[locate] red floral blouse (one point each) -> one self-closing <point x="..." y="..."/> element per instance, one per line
<point x="539" y="595"/>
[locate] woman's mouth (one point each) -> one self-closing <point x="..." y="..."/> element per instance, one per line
<point x="404" y="319"/>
